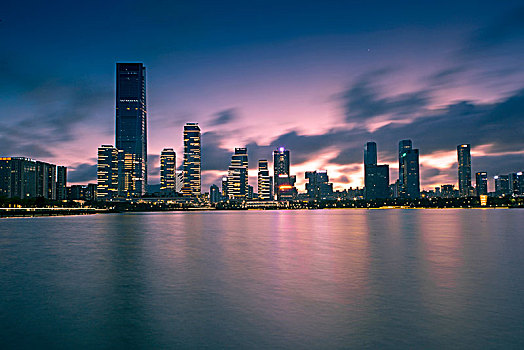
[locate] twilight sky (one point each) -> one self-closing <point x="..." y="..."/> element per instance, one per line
<point x="320" y="79"/>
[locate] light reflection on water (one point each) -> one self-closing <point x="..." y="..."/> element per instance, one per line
<point x="265" y="279"/>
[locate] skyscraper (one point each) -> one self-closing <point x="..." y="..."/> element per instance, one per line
<point x="464" y="169"/>
<point x="516" y="183"/>
<point x="108" y="172"/>
<point x="376" y="177"/>
<point x="192" y="160"/>
<point x="481" y="183"/>
<point x="61" y="183"/>
<point x="408" y="167"/>
<point x="284" y="181"/>
<point x="265" y="181"/>
<point x="370" y="154"/>
<point x="237" y="175"/>
<point x="502" y="187"/>
<point x="131" y="123"/>
<point x="18" y="177"/>
<point x="168" y="170"/>
<point x="46" y="180"/>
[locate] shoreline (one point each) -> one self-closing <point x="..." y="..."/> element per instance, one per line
<point x="6" y="213"/>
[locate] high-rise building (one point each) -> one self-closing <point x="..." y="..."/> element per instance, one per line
<point x="481" y="183"/>
<point x="27" y="178"/>
<point x="409" y="183"/>
<point x="376" y="181"/>
<point x="319" y="186"/>
<point x="403" y="147"/>
<point x="61" y="183"/>
<point x="214" y="194"/>
<point x="192" y="160"/>
<point x="108" y="172"/>
<point x="408" y="170"/>
<point x="237" y="175"/>
<point x="265" y="181"/>
<point x="18" y="177"/>
<point x="502" y="187"/>
<point x="284" y="181"/>
<point x="376" y="177"/>
<point x="131" y="124"/>
<point x="464" y="169"/>
<point x="46" y="180"/>
<point x="516" y="183"/>
<point x="370" y="154"/>
<point x="168" y="170"/>
<point x="224" y="188"/>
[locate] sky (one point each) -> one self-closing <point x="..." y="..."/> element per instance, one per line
<point x="319" y="78"/>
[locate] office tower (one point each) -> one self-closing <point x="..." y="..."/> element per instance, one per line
<point x="376" y="181"/>
<point x="225" y="194"/>
<point x="408" y="170"/>
<point x="265" y="181"/>
<point x="284" y="181"/>
<point x="464" y="169"/>
<point x="319" y="186"/>
<point x="192" y="160"/>
<point x="410" y="183"/>
<point x="108" y="172"/>
<point x="46" y="180"/>
<point x="131" y="124"/>
<point x="18" y="177"/>
<point x="516" y="183"/>
<point x="403" y="147"/>
<point x="168" y="170"/>
<point x="370" y="154"/>
<point x="481" y="183"/>
<point x="502" y="187"/>
<point x="237" y="175"/>
<point x="376" y="177"/>
<point x="250" y="192"/>
<point x="214" y="194"/>
<point x="61" y="183"/>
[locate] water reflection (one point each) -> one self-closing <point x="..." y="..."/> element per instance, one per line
<point x="265" y="279"/>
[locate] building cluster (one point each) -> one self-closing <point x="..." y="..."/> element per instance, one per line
<point x="407" y="186"/>
<point x="27" y="178"/>
<point x="122" y="168"/>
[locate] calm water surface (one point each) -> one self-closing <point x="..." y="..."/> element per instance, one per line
<point x="323" y="279"/>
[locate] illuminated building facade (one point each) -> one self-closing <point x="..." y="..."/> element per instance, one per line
<point x="516" y="183"/>
<point x="409" y="170"/>
<point x="168" y="170"/>
<point x="481" y="183"/>
<point x="237" y="175"/>
<point x="284" y="181"/>
<point x="46" y="180"/>
<point x="27" y="178"/>
<point x="214" y="194"/>
<point x="108" y="172"/>
<point x="192" y="160"/>
<point x="18" y="177"/>
<point x="265" y="181"/>
<point x="502" y="185"/>
<point x="376" y="177"/>
<point x="131" y="124"/>
<point x="464" y="169"/>
<point x="224" y="188"/>
<point x="61" y="183"/>
<point x="319" y="186"/>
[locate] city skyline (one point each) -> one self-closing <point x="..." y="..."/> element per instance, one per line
<point x="322" y="86"/>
